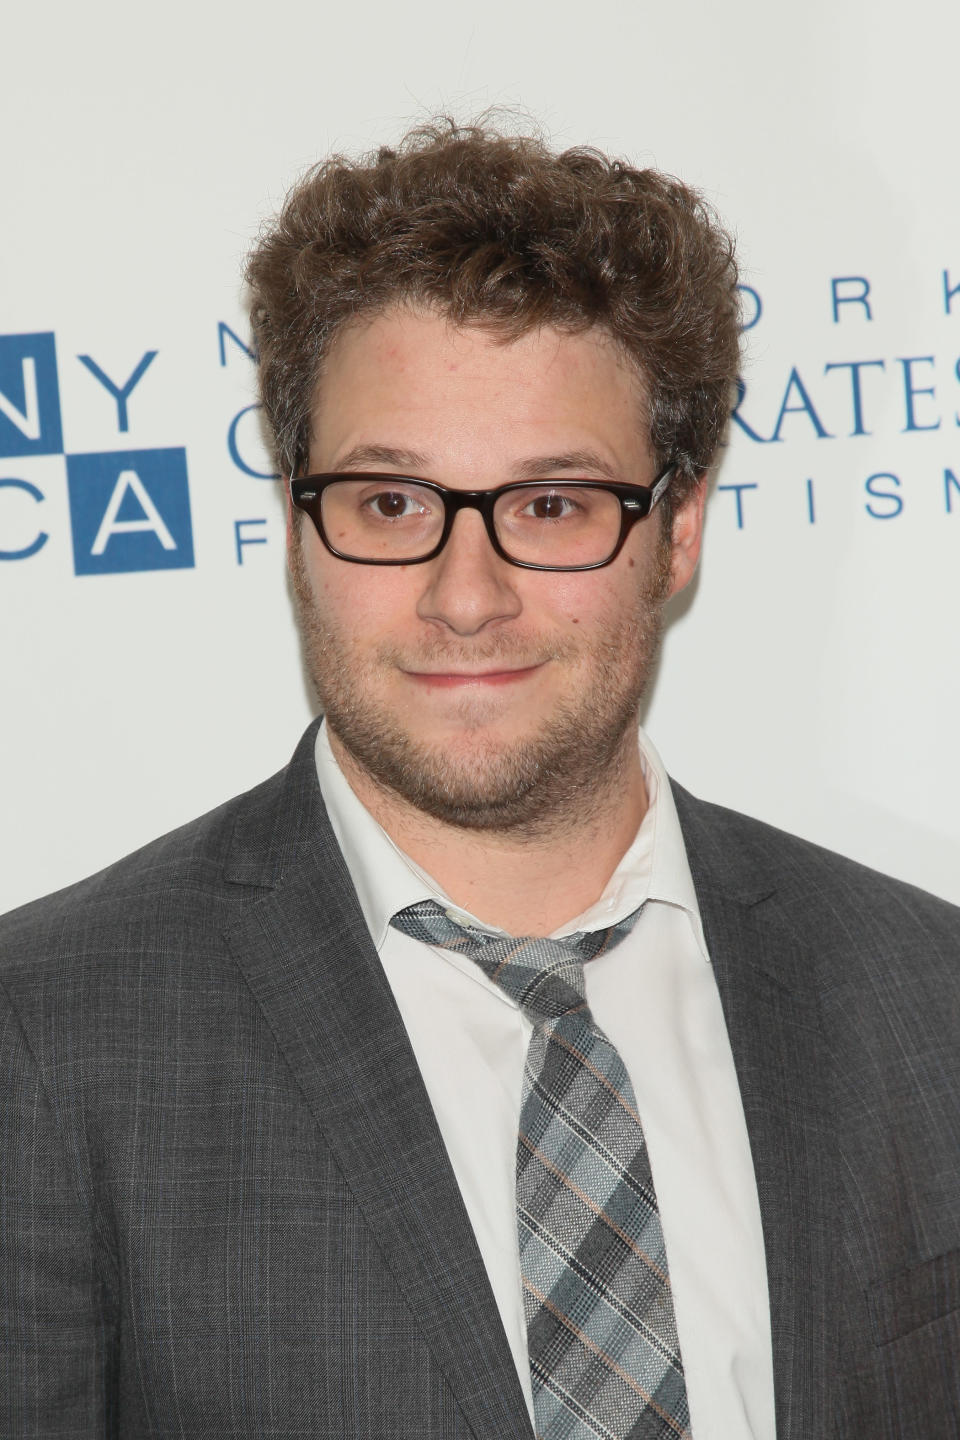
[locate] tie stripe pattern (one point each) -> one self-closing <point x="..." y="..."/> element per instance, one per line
<point x="601" y="1333"/>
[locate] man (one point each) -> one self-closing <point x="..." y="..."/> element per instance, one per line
<point x="466" y="1078"/>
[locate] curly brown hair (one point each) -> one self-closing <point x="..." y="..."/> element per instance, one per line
<point x="497" y="230"/>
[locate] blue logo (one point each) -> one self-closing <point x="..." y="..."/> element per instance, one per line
<point x="29" y="396"/>
<point x="130" y="510"/>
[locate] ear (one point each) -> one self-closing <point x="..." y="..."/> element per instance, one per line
<point x="687" y="536"/>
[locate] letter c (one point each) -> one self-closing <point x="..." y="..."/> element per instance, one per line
<point x="234" y="448"/>
<point x="42" y="536"/>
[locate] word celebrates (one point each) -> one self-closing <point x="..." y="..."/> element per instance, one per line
<point x="843" y="405"/>
<point x="129" y="509"/>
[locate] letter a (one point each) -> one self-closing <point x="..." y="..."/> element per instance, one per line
<point x="129" y="480"/>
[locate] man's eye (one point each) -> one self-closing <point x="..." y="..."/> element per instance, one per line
<point x="392" y="505"/>
<point x="549" y="506"/>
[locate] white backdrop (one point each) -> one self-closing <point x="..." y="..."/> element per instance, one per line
<point x="811" y="676"/>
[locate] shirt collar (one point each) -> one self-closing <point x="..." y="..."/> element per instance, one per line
<point x="386" y="880"/>
<point x="654" y="867"/>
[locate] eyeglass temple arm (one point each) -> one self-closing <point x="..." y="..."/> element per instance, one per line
<point x="656" y="490"/>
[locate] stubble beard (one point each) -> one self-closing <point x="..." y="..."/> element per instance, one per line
<point x="557" y="779"/>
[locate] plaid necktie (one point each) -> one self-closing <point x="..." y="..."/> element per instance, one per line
<point x="601" y="1334"/>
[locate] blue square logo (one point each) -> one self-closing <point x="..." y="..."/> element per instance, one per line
<point x="29" y="396"/>
<point x="130" y="510"/>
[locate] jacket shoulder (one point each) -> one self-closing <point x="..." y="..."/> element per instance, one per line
<point x="817" y="889"/>
<point x="190" y="880"/>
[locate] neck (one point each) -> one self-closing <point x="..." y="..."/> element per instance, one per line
<point x="524" y="884"/>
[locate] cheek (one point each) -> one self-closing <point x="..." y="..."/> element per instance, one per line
<point x="588" y="601"/>
<point x="366" y="601"/>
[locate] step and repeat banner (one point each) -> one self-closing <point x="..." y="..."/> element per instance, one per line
<point x="149" y="665"/>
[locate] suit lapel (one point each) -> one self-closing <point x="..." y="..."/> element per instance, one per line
<point x="309" y="960"/>
<point x="764" y="977"/>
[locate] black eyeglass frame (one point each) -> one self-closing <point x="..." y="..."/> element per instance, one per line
<point x="636" y="503"/>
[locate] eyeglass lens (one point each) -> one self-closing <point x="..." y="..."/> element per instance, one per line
<point x="543" y="523"/>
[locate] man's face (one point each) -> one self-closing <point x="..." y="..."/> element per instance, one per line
<point x="486" y="695"/>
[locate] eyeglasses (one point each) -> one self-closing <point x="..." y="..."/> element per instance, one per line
<point x="373" y="519"/>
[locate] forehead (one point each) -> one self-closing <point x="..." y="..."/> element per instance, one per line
<point x="412" y="379"/>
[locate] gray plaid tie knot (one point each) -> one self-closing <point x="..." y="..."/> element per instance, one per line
<point x="601" y="1334"/>
<point x="543" y="976"/>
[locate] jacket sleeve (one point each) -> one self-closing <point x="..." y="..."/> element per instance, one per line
<point x="56" y="1326"/>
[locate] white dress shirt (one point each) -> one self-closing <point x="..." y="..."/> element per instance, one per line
<point x="656" y="998"/>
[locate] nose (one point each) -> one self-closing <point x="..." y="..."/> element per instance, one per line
<point x="469" y="588"/>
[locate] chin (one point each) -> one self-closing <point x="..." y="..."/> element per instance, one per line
<point x="485" y="777"/>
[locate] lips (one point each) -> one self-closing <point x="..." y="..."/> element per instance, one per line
<point x="448" y="679"/>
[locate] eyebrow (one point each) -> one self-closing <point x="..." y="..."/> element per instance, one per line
<point x="578" y="462"/>
<point x="402" y="460"/>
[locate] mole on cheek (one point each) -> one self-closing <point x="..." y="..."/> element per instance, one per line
<point x="631" y="562"/>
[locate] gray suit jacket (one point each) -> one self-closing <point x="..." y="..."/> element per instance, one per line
<point x="226" y="1209"/>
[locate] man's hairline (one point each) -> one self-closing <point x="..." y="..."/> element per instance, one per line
<point x="366" y="316"/>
